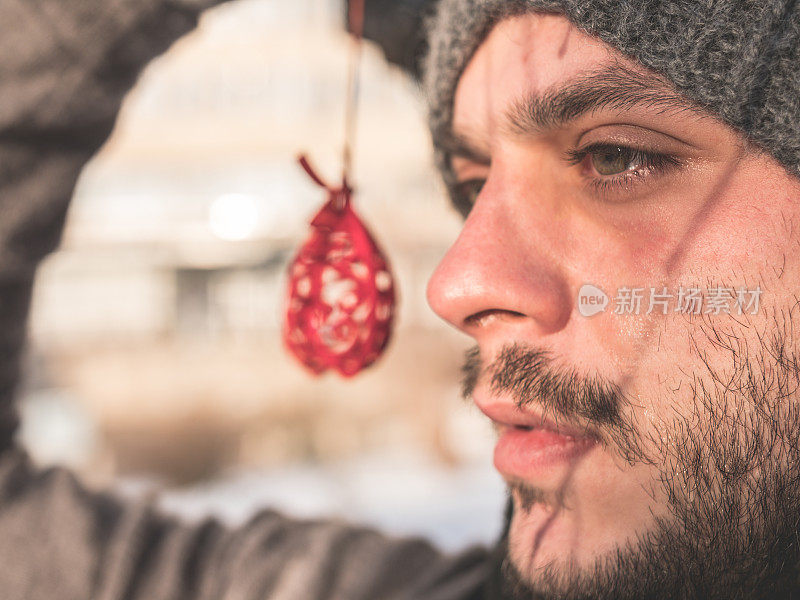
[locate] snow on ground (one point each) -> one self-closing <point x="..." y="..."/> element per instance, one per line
<point x="398" y="494"/>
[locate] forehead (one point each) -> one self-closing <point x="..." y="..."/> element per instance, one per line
<point x="525" y="54"/>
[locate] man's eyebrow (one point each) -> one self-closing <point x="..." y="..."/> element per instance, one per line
<point x="454" y="144"/>
<point x="614" y="86"/>
<point x="611" y="86"/>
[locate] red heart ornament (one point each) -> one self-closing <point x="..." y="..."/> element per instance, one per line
<point x="341" y="296"/>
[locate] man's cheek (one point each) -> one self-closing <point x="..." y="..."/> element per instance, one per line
<point x="746" y="229"/>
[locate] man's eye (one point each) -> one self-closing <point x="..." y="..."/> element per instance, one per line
<point x="466" y="194"/>
<point x="615" y="160"/>
<point x="611" y="163"/>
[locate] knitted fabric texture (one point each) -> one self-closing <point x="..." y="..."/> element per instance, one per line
<point x="739" y="59"/>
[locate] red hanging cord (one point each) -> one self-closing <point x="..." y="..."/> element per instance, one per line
<point x="356" y="19"/>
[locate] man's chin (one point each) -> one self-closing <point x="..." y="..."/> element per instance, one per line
<point x="549" y="546"/>
<point x="541" y="538"/>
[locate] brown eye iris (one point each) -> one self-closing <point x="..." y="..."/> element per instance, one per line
<point x="612" y="160"/>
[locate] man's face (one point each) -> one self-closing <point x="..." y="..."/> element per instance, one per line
<point x="634" y="444"/>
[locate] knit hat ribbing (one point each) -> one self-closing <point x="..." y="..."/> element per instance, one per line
<point x="739" y="59"/>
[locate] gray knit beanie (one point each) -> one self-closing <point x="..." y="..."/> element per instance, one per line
<point x="739" y="59"/>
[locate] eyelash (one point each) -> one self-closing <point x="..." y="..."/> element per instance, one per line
<point x="465" y="192"/>
<point x="650" y="163"/>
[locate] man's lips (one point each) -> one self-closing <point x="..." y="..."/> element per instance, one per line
<point x="530" y="447"/>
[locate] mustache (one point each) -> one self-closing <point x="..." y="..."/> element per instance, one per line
<point x="531" y="376"/>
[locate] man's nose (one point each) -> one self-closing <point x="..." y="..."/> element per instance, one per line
<point x="503" y="270"/>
